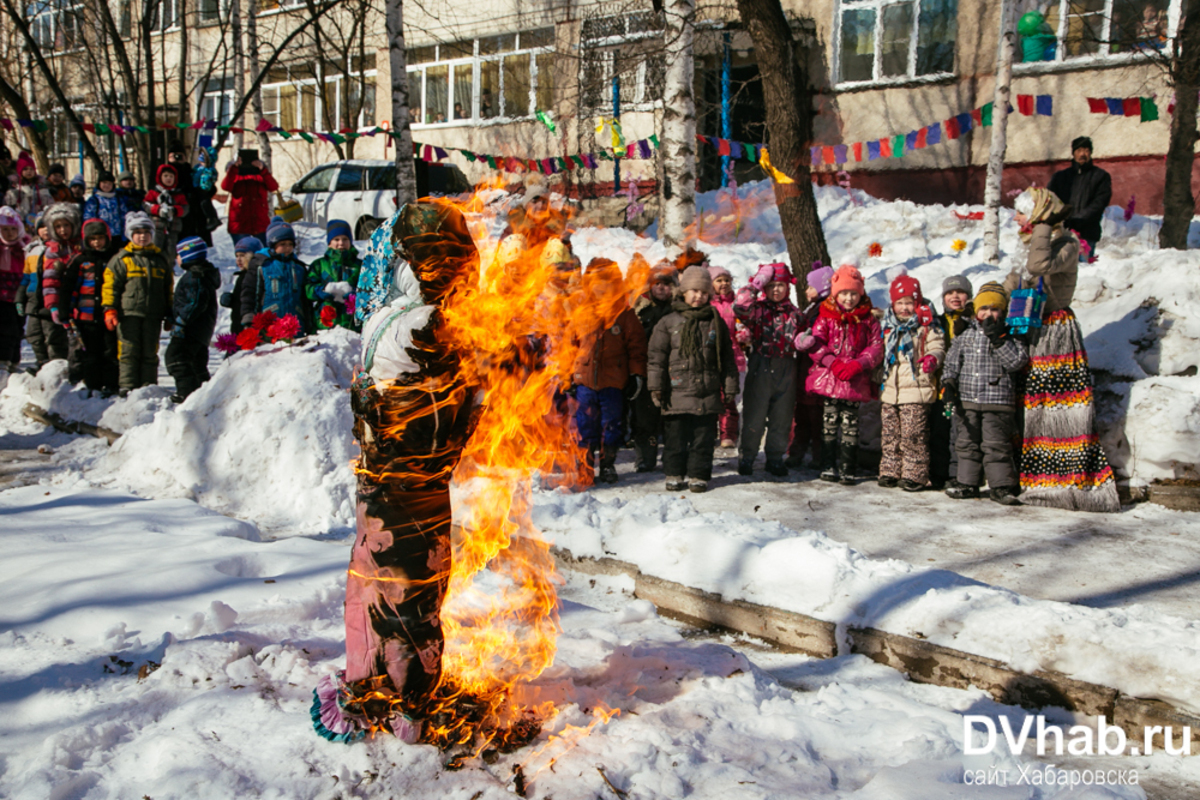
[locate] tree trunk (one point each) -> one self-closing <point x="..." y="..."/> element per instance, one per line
<point x="1179" y="205"/>
<point x="406" y="174"/>
<point x="15" y="101"/>
<point x="239" y="67"/>
<point x="183" y="62"/>
<point x="264" y="142"/>
<point x="995" y="170"/>
<point x="679" y="124"/>
<point x="788" y="96"/>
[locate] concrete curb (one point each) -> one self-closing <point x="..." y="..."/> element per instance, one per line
<point x="922" y="661"/>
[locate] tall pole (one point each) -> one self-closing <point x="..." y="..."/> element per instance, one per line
<point x="726" y="103"/>
<point x="406" y="173"/>
<point x="679" y="123"/>
<point x="616" y="97"/>
<point x="995" y="169"/>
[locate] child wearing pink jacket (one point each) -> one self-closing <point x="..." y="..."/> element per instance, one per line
<point x="846" y="346"/>
<point x="722" y="301"/>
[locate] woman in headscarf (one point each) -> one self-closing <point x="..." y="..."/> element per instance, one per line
<point x="1062" y="462"/>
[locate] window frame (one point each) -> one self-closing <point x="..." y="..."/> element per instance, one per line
<point x="454" y="60"/>
<point x="48" y="17"/>
<point x="876" y="79"/>
<point x="602" y="50"/>
<point x="317" y="123"/>
<point x="1104" y="56"/>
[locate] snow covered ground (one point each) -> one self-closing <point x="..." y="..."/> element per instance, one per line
<point x="229" y="576"/>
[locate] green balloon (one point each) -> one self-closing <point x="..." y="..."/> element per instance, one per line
<point x="1031" y="23"/>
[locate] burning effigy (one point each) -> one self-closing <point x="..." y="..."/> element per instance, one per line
<point x="461" y="386"/>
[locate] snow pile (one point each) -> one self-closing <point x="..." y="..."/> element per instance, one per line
<point x="51" y="391"/>
<point x="744" y="558"/>
<point x="175" y="656"/>
<point x="268" y="439"/>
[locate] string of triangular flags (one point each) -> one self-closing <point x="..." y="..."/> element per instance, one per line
<point x="1142" y="107"/>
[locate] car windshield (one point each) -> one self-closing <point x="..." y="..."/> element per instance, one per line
<point x="316" y="182"/>
<point x="350" y="179"/>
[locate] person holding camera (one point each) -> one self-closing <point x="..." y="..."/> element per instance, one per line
<point x="249" y="183"/>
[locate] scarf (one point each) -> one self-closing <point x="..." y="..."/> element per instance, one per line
<point x="899" y="340"/>
<point x="1046" y="205"/>
<point x="691" y="340"/>
<point x="831" y="310"/>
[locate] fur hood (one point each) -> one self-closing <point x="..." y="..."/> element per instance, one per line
<point x="67" y="211"/>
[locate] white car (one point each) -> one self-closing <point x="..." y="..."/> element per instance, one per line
<point x="363" y="191"/>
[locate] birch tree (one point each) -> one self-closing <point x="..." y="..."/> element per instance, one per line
<point x="999" y="144"/>
<point x="406" y="173"/>
<point x="679" y="123"/>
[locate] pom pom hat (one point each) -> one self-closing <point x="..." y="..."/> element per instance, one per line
<point x="847" y="279"/>
<point x="992" y="294"/>
<point x="905" y="286"/>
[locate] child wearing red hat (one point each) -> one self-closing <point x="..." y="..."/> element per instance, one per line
<point x="847" y="347"/>
<point x="913" y="349"/>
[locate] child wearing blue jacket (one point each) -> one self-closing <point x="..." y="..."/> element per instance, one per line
<point x="279" y="284"/>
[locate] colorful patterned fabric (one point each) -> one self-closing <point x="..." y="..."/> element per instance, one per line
<point x="1063" y="464"/>
<point x="905" y="442"/>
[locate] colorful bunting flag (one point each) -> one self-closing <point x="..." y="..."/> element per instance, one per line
<point x="1025" y="104"/>
<point x="839" y="153"/>
<point x="1149" y="109"/>
<point x="1045" y="105"/>
<point x="933" y="134"/>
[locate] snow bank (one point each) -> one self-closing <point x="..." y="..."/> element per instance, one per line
<point x="268" y="439"/>
<point x="1140" y="652"/>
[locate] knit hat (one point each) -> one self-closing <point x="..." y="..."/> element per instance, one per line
<point x="10" y="216"/>
<point x="175" y="146"/>
<point x="664" y="273"/>
<point x="336" y="228"/>
<point x="124" y="175"/>
<point x="248" y="244"/>
<point x="847" y="279"/>
<point x="992" y="294"/>
<point x="1081" y="141"/>
<point x="192" y="249"/>
<point x="57" y="169"/>
<point x="165" y="168"/>
<point x="24" y="162"/>
<point x="781" y="273"/>
<point x="905" y="286"/>
<point x="957" y="283"/>
<point x="95" y="227"/>
<point x="105" y="175"/>
<point x="77" y="181"/>
<point x="696" y="277"/>
<point x="280" y="232"/>
<point x="138" y="221"/>
<point x="719" y="272"/>
<point x="821" y="279"/>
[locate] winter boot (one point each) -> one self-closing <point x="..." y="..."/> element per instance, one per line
<point x="608" y="466"/>
<point x="675" y="484"/>
<point x="698" y="486"/>
<point x="960" y="491"/>
<point x="848" y="462"/>
<point x="745" y="467"/>
<point x="777" y="468"/>
<point x="1005" y="495"/>
<point x="728" y="444"/>
<point x="888" y="481"/>
<point x="646" y="456"/>
<point x="911" y="486"/>
<point x="828" y="462"/>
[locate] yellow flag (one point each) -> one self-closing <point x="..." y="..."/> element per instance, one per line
<point x="775" y="174"/>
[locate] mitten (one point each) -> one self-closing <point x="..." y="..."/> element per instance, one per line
<point x="338" y="290"/>
<point x="54" y="315"/>
<point x="656" y="398"/>
<point x="804" y="341"/>
<point x="924" y="315"/>
<point x="993" y="329"/>
<point x="110" y="319"/>
<point x="765" y="274"/>
<point x="845" y="369"/>
<point x="929" y="364"/>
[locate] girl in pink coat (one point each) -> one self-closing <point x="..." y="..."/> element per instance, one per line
<point x="722" y="301"/>
<point x="846" y="347"/>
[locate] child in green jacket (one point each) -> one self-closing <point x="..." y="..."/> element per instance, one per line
<point x="332" y="279"/>
<point x="138" y="297"/>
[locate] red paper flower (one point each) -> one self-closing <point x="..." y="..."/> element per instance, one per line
<point x="328" y="316"/>
<point x="248" y="339"/>
<point x="227" y="343"/>
<point x="284" y="329"/>
<point x="263" y="320"/>
<point x="875" y="250"/>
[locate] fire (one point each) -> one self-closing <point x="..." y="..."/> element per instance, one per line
<point x="519" y="328"/>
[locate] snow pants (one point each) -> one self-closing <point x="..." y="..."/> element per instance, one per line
<point x="690" y="441"/>
<point x="769" y="405"/>
<point x="839" y="432"/>
<point x="137" y="349"/>
<point x="985" y="447"/>
<point x="93" y="359"/>
<point x="599" y="417"/>
<point x="49" y="341"/>
<point x="647" y="430"/>
<point x="905" y="442"/>
<point x="943" y="432"/>
<point x="728" y="422"/>
<point x="186" y="360"/>
<point x="10" y="333"/>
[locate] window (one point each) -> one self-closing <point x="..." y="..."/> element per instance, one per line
<point x="493" y="77"/>
<point x="1062" y="30"/>
<point x="381" y="179"/>
<point x="165" y="15"/>
<point x="349" y="179"/>
<point x="625" y="50"/>
<point x="889" y="41"/>
<point x="299" y="98"/>
<point x="218" y="101"/>
<point x="56" y="24"/>
<point x="316" y="182"/>
<point x="211" y="10"/>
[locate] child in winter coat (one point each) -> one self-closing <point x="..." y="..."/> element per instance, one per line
<point x="48" y="318"/>
<point x="770" y="401"/>
<point x="722" y="301"/>
<point x="137" y="298"/>
<point x="978" y="381"/>
<point x="806" y="424"/>
<point x="93" y="352"/>
<point x="12" y="274"/>
<point x="28" y="195"/>
<point x="249" y="259"/>
<point x="692" y="372"/>
<point x="56" y="184"/>
<point x="167" y="205"/>
<point x="106" y="205"/>
<point x="278" y="284"/>
<point x="611" y="361"/>
<point x="332" y="279"/>
<point x="957" y="314"/>
<point x="913" y="348"/>
<point x="847" y="346"/>
<point x="650" y="308"/>
<point x="195" y="311"/>
<point x="129" y="195"/>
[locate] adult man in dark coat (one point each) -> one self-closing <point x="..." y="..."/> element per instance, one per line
<point x="1086" y="188"/>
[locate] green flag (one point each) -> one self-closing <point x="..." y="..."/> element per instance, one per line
<point x="1149" y="110"/>
<point x="986" y="115"/>
<point x="654" y="140"/>
<point x="468" y="155"/>
<point x="547" y="120"/>
<point x="285" y="134"/>
<point x="306" y="137"/>
<point x="104" y="130"/>
<point x="898" y="145"/>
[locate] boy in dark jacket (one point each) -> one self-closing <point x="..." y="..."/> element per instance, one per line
<point x="107" y="205"/>
<point x="93" y="355"/>
<point x="129" y="196"/>
<point x="650" y="308"/>
<point x="957" y="315"/>
<point x="249" y="259"/>
<point x="691" y="362"/>
<point x="195" y="318"/>
<point x="332" y="279"/>
<point x="278" y="284"/>
<point x="978" y="381"/>
<point x="137" y="297"/>
<point x="611" y="357"/>
<point x="167" y="205"/>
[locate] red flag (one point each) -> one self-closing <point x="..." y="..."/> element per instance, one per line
<point x="827" y="155"/>
<point x="723" y="147"/>
<point x="533" y="166"/>
<point x="263" y="126"/>
<point x="885" y="148"/>
<point x="89" y="127"/>
<point x="921" y="136"/>
<point x="1133" y="106"/>
<point x="858" y="151"/>
<point x="1025" y="104"/>
<point x="198" y="124"/>
<point x="1096" y="105"/>
<point x="977" y="117"/>
<point x="950" y="126"/>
